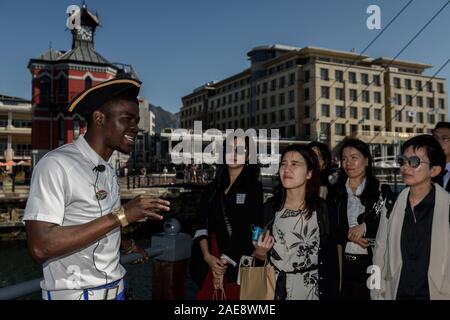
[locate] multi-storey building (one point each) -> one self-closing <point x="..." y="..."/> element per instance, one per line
<point x="321" y="94"/>
<point x="15" y="130"/>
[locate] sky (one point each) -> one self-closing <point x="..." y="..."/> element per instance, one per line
<point x="178" y="45"/>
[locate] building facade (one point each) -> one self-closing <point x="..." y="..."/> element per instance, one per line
<point x="321" y="94"/>
<point x="15" y="130"/>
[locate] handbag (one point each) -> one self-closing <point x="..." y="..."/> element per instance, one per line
<point x="257" y="283"/>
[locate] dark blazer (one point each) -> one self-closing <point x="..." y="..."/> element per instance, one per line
<point x="328" y="262"/>
<point x="339" y="205"/>
<point x="440" y="180"/>
<point x="241" y="214"/>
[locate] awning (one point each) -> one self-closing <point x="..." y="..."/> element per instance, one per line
<point x="8" y="163"/>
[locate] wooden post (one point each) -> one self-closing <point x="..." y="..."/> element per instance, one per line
<point x="169" y="280"/>
<point x="170" y="268"/>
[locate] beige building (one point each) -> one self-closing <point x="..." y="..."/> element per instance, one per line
<point x="321" y="94"/>
<point x="15" y="130"/>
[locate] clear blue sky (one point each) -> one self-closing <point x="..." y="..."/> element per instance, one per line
<point x="177" y="45"/>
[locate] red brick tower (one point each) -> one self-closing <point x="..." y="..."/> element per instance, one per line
<point x="58" y="76"/>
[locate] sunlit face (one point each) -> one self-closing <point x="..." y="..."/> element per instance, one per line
<point x="294" y="170"/>
<point x="423" y="173"/>
<point x="237" y="156"/>
<point x="320" y="158"/>
<point x="442" y="135"/>
<point x="354" y="162"/>
<point x="121" y="126"/>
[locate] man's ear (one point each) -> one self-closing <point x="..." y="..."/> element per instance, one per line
<point x="99" y="118"/>
<point x="435" y="171"/>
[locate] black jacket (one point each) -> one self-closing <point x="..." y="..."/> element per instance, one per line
<point x="440" y="180"/>
<point x="328" y="263"/>
<point x="241" y="215"/>
<point x="339" y="205"/>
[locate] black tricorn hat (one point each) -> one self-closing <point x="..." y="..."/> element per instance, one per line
<point x="93" y="98"/>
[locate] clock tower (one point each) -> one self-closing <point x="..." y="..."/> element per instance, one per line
<point x="84" y="35"/>
<point x="58" y="76"/>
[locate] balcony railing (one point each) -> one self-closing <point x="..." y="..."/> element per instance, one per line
<point x="386" y="134"/>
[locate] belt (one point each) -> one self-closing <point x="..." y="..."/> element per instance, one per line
<point x="112" y="291"/>
<point x="280" y="286"/>
<point x="353" y="257"/>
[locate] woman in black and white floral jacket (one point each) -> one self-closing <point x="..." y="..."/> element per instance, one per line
<point x="301" y="242"/>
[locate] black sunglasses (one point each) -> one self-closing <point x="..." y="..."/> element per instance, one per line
<point x="413" y="161"/>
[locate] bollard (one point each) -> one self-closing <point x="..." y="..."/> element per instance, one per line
<point x="170" y="268"/>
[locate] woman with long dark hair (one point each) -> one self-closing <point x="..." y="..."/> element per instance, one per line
<point x="302" y="247"/>
<point x="324" y="156"/>
<point x="229" y="206"/>
<point x="355" y="198"/>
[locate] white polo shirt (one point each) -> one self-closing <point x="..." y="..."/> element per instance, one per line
<point x="62" y="192"/>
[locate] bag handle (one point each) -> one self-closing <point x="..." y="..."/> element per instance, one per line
<point x="266" y="261"/>
<point x="215" y="296"/>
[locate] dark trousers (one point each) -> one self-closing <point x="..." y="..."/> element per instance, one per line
<point x="354" y="276"/>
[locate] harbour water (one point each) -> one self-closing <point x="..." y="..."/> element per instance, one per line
<point x="16" y="265"/>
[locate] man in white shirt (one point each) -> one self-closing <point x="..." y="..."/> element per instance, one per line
<point x="73" y="214"/>
<point x="442" y="134"/>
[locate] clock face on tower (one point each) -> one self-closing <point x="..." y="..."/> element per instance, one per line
<point x="85" y="33"/>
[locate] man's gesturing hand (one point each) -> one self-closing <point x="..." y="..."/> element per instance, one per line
<point x="145" y="206"/>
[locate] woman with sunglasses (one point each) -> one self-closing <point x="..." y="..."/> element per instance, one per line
<point x="303" y="246"/>
<point x="230" y="205"/>
<point x="412" y="251"/>
<point x="356" y="196"/>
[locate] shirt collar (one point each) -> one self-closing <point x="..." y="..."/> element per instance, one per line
<point x="88" y="152"/>
<point x="447" y="166"/>
<point x="427" y="202"/>
<point x="359" y="190"/>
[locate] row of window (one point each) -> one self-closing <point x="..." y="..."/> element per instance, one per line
<point x="341" y="112"/>
<point x="16" y="123"/>
<point x="20" y="149"/>
<point x="365" y="97"/>
<point x="191" y="111"/>
<point x="418" y="85"/>
<point x="340" y="129"/>
<point x="47" y="92"/>
<point x="352" y="77"/>
<point x="290" y="113"/>
<point x="233" y="85"/>
<point x="196" y="99"/>
<point x="398" y="99"/>
<point x="275" y="84"/>
<point x="353" y="94"/>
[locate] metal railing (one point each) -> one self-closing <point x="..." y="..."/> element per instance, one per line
<point x="170" y="247"/>
<point x="28" y="287"/>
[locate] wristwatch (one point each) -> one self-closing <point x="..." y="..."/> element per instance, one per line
<point x="120" y="214"/>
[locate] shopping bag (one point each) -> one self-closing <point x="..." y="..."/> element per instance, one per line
<point x="257" y="283"/>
